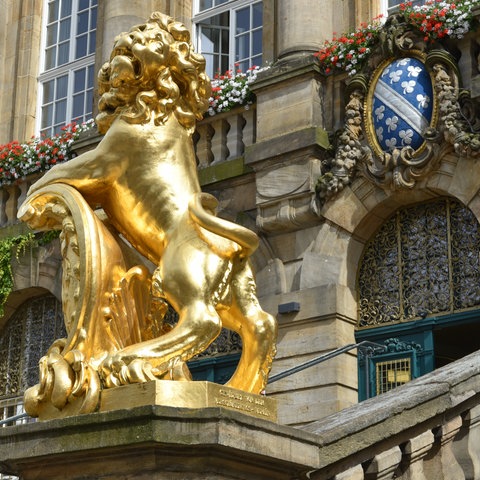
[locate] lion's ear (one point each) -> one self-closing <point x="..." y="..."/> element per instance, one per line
<point x="183" y="48"/>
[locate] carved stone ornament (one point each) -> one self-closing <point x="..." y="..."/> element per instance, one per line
<point x="143" y="175"/>
<point x="398" y="109"/>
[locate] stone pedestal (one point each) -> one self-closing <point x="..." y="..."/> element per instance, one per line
<point x="157" y="443"/>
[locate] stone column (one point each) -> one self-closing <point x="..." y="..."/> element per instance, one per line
<point x="20" y="48"/>
<point x="303" y="25"/>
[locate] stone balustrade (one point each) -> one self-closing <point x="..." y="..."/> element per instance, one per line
<point x="225" y="136"/>
<point x="426" y="429"/>
<point x="218" y="138"/>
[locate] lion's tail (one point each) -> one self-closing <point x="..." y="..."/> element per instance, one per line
<point x="202" y="210"/>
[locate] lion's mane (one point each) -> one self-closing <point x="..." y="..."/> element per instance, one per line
<point x="153" y="72"/>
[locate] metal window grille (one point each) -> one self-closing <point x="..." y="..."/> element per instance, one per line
<point x="392" y="373"/>
<point x="423" y="260"/>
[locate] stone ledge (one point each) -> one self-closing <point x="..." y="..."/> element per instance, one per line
<point x="152" y="442"/>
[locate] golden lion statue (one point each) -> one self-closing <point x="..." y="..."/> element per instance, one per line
<point x="143" y="175"/>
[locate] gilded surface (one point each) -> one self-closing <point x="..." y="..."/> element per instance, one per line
<point x="143" y="175"/>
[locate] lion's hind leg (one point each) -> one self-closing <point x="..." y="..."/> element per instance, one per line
<point x="198" y="325"/>
<point x="258" y="330"/>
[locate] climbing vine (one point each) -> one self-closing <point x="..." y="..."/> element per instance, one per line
<point x="14" y="247"/>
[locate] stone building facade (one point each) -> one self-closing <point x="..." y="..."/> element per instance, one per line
<point x="346" y="241"/>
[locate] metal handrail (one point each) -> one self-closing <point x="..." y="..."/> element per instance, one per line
<point x="13" y="419"/>
<point x="323" y="358"/>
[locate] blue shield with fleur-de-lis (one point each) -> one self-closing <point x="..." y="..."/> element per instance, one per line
<point x="402" y="106"/>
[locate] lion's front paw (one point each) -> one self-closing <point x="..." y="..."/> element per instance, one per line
<point x="116" y="372"/>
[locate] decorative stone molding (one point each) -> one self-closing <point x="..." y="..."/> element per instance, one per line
<point x="403" y="161"/>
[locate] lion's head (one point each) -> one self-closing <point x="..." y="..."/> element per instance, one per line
<point x="152" y="73"/>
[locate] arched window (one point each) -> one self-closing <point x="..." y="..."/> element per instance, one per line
<point x="423" y="261"/>
<point x="23" y="341"/>
<point x="419" y="286"/>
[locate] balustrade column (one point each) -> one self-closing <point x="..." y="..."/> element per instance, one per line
<point x="414" y="453"/>
<point x="203" y="146"/>
<point x="443" y="464"/>
<point x="466" y="447"/>
<point x="354" y="473"/>
<point x="383" y="465"/>
<point x="219" y="140"/>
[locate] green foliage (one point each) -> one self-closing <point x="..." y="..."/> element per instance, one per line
<point x="11" y="248"/>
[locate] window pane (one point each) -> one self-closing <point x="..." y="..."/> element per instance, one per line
<point x="83" y="4"/>
<point x="92" y="43"/>
<point x="89" y="102"/>
<point x="81" y="46"/>
<point x="257" y="15"/>
<point x="257" y="42"/>
<point x="210" y="39"/>
<point x="243" y="20"/>
<point x="257" y="61"/>
<point x="52" y="34"/>
<point x="82" y="22"/>
<point x="53" y="11"/>
<point x="50" y="55"/>
<point x="47" y="116"/>
<point x="48" y="89"/>
<point x="93" y="18"/>
<point x="79" y="80"/>
<point x="90" y="76"/>
<point x="221" y="20"/>
<point x="204" y="4"/>
<point x="78" y="101"/>
<point x="63" y="50"/>
<point x="64" y="30"/>
<point x="66" y="8"/>
<point x="62" y="87"/>
<point x="242" y="47"/>
<point x="225" y="42"/>
<point x="61" y="111"/>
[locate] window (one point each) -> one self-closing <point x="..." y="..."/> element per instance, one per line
<point x="66" y="81"/>
<point x="27" y="336"/>
<point x="424" y="260"/>
<point x="391" y="6"/>
<point x="229" y="34"/>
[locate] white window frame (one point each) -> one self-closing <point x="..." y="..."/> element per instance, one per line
<point x="231" y="7"/>
<point x="69" y="68"/>
<point x="387" y="10"/>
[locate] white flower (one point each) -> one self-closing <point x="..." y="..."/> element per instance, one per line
<point x="402" y="62"/>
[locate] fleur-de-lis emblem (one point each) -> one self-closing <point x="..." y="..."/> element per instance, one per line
<point x="402" y="62"/>
<point x="391" y="123"/>
<point x="409" y="86"/>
